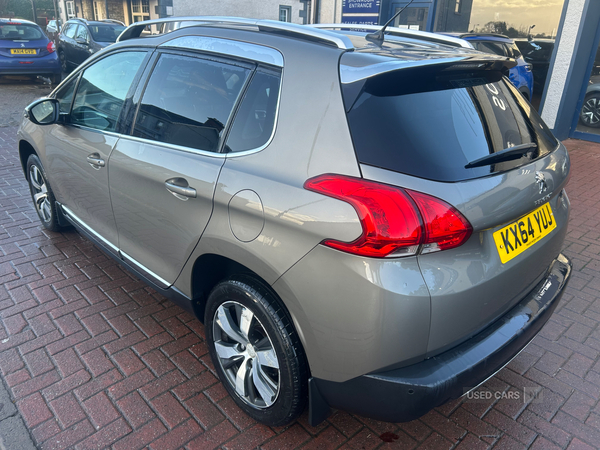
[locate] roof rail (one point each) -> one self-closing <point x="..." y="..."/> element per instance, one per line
<point x="118" y="22"/>
<point x="272" y="26"/>
<point x="399" y="32"/>
<point x="484" y="34"/>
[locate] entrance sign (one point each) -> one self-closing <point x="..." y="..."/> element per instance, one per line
<point x="364" y="12"/>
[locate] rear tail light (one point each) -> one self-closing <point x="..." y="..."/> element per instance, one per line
<point x="445" y="227"/>
<point x="395" y="221"/>
<point x="50" y="47"/>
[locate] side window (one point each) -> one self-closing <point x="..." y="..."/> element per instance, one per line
<point x="103" y="88"/>
<point x="188" y="101"/>
<point x="70" y="31"/>
<point x="255" y="120"/>
<point x="515" y="50"/>
<point x="65" y="96"/>
<point x="82" y="33"/>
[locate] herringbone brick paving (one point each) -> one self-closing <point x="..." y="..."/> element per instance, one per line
<point x="94" y="358"/>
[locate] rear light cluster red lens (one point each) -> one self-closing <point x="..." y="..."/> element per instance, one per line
<point x="395" y="221"/>
<point x="50" y="47"/>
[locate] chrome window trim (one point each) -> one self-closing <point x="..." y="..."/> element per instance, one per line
<point x="175" y="147"/>
<point x="228" y="47"/>
<point x="86" y="128"/>
<point x="85" y="226"/>
<point x="165" y="284"/>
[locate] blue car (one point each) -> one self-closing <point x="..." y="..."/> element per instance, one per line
<point x="498" y="44"/>
<point x="26" y="50"/>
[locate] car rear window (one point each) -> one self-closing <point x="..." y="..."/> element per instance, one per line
<point x="12" y="31"/>
<point x="432" y="127"/>
<point x="105" y="33"/>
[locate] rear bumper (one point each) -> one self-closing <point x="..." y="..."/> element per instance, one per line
<point x="405" y="394"/>
<point x="45" y="65"/>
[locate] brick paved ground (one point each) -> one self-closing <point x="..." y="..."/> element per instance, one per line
<point x="95" y="359"/>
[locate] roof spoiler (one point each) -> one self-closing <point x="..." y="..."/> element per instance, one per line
<point x="463" y="63"/>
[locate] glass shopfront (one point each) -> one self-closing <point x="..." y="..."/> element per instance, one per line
<point x="588" y="120"/>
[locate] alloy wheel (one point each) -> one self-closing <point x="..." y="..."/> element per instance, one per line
<point x="246" y="354"/>
<point x="40" y="193"/>
<point x="590" y="113"/>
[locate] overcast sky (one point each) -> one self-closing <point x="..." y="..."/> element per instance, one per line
<point x="545" y="14"/>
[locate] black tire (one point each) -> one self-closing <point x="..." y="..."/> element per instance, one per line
<point x="45" y="204"/>
<point x="55" y="79"/>
<point x="63" y="61"/>
<point x="590" y="111"/>
<point x="233" y="299"/>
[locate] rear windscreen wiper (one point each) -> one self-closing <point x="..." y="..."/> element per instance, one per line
<point x="504" y="155"/>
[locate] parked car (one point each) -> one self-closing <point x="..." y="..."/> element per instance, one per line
<point x="26" y="50"/>
<point x="375" y="230"/>
<point x="498" y="44"/>
<point x="53" y="28"/>
<point x="537" y="52"/>
<point x="590" y="111"/>
<point x="81" y="38"/>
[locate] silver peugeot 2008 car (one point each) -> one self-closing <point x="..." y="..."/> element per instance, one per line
<point x="371" y="223"/>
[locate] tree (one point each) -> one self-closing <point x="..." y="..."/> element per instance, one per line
<point x="512" y="32"/>
<point x="22" y="8"/>
<point x="495" y="27"/>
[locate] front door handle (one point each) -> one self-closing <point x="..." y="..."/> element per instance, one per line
<point x="179" y="187"/>
<point x="95" y="161"/>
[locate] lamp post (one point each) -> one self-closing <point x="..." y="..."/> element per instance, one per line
<point x="529" y="32"/>
<point x="34" y="11"/>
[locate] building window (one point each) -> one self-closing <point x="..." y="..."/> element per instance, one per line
<point x="285" y="13"/>
<point x="70" y="10"/>
<point x="140" y="10"/>
<point x="458" y="6"/>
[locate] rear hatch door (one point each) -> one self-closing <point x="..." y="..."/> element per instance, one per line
<point x="22" y="41"/>
<point x="461" y="132"/>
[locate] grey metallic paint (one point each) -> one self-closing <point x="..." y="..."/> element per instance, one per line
<point x="354" y="315"/>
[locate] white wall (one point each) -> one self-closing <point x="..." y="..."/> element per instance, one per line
<point x="253" y="9"/>
<point x="330" y="11"/>
<point x="564" y="54"/>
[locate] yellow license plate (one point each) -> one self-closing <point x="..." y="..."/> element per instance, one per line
<point x="22" y="51"/>
<point x="517" y="237"/>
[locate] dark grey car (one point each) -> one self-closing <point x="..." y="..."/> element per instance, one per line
<point x="80" y="38"/>
<point x="374" y="226"/>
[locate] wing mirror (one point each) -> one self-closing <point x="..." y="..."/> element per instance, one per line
<point x="43" y="112"/>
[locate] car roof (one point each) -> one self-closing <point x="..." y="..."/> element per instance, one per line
<point x="18" y="21"/>
<point x="94" y="22"/>
<point x="362" y="57"/>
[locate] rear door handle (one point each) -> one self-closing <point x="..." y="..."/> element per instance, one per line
<point x="95" y="161"/>
<point x="180" y="188"/>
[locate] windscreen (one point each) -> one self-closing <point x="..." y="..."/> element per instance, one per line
<point x="106" y="33"/>
<point x="12" y="31"/>
<point x="431" y="126"/>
